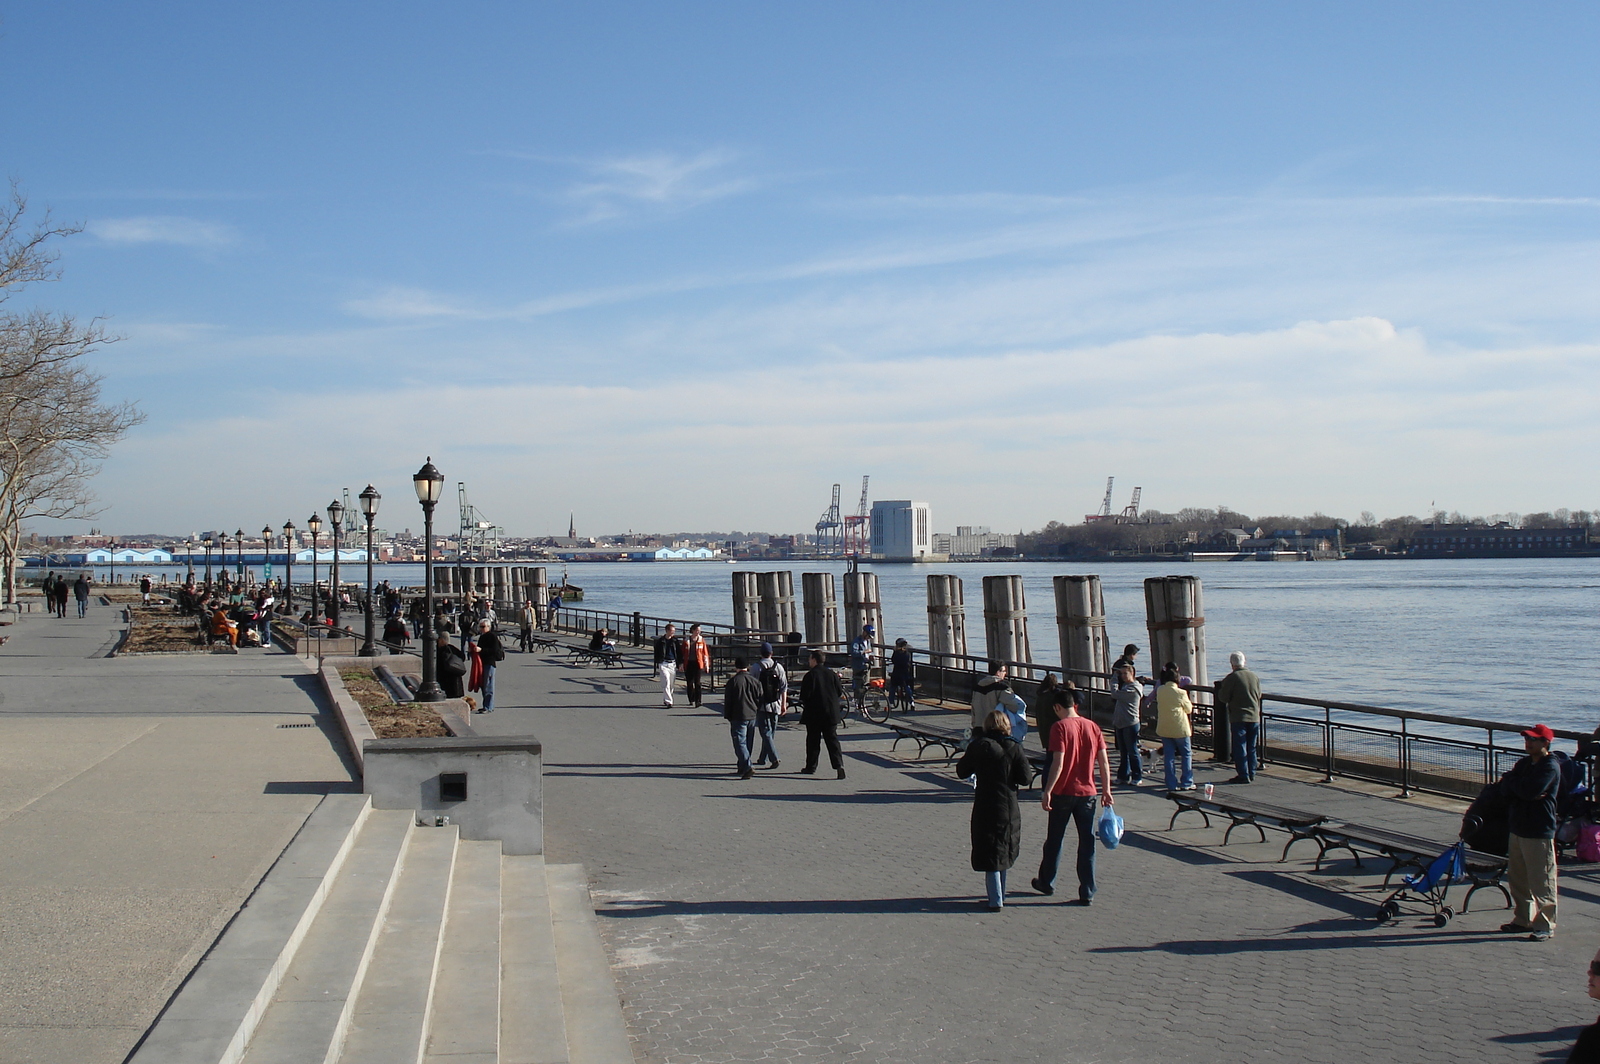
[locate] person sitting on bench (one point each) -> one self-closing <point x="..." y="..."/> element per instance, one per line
<point x="601" y="640"/>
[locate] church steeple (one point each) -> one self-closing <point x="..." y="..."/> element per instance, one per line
<point x="572" y="526"/>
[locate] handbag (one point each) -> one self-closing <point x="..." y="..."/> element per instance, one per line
<point x="1110" y="828"/>
<point x="453" y="665"/>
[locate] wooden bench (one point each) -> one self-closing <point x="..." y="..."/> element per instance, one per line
<point x="926" y="735"/>
<point x="539" y="642"/>
<point x="583" y="654"/>
<point x="1247" y="812"/>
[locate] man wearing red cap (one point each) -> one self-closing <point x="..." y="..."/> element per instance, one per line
<point x="1531" y="785"/>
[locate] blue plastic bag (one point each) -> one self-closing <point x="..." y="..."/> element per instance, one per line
<point x="1110" y="828"/>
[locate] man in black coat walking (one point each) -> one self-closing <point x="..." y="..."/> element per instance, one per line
<point x="1532" y="786"/>
<point x="741" y="699"/>
<point x="821" y="705"/>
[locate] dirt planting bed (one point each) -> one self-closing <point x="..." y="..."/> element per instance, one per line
<point x="389" y="720"/>
<point x="160" y="630"/>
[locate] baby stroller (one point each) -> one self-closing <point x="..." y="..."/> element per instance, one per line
<point x="1431" y="884"/>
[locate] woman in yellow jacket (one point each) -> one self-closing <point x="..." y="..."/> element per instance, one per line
<point x="1172" y="725"/>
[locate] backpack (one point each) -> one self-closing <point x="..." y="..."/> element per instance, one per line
<point x="771" y="685"/>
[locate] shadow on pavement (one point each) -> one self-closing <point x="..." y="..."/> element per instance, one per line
<point x="311" y="787"/>
<point x="1566" y="1035"/>
<point x="1178" y="852"/>
<point x="851" y="798"/>
<point x="1201" y="947"/>
<point x="798" y="907"/>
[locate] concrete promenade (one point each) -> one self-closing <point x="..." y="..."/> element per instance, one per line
<point x="807" y="918"/>
<point x="141" y="799"/>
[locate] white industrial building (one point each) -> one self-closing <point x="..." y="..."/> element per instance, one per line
<point x="902" y="530"/>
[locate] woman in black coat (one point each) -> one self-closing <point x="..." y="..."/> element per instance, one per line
<point x="998" y="762"/>
<point x="450" y="666"/>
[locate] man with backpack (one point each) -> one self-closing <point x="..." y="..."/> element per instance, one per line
<point x="774" y="696"/>
<point x="1532" y="787"/>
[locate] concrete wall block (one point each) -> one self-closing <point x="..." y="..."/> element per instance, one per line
<point x="504" y="785"/>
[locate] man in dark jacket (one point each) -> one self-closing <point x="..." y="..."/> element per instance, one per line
<point x="1238" y="699"/>
<point x="667" y="652"/>
<point x="741" y="699"/>
<point x="821" y="705"/>
<point x="1532" y="785"/>
<point x="80" y="591"/>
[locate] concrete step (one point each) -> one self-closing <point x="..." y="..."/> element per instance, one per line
<point x="532" y="1027"/>
<point x="310" y="1015"/>
<point x="393" y="1010"/>
<point x="466" y="998"/>
<point x="596" y="1030"/>
<point x="212" y="1017"/>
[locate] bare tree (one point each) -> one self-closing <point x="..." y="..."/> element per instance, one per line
<point x="54" y="430"/>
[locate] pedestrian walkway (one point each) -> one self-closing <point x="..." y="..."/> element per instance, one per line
<point x="808" y="918"/>
<point x="141" y="800"/>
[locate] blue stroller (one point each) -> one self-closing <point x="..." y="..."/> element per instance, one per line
<point x="1431" y="884"/>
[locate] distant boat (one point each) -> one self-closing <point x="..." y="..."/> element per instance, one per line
<point x="569" y="592"/>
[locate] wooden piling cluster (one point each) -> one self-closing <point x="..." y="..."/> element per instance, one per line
<point x="1005" y="619"/>
<point x="947" y="619"/>
<point x="1081" y="628"/>
<point x="821" y="608"/>
<point x="1176" y="620"/>
<point x="862" y="606"/>
<point x="506" y="585"/>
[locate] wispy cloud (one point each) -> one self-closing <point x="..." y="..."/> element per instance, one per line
<point x="660" y="181"/>
<point x="163" y="229"/>
<point x="400" y="304"/>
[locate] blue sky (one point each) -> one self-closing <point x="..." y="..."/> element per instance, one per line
<point x="685" y="266"/>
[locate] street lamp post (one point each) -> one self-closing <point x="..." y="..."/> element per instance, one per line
<point x="208" y="542"/>
<point x="314" y="525"/>
<point x="288" y="567"/>
<point x="429" y="482"/>
<point x="335" y="518"/>
<point x="190" y="578"/>
<point x="238" y="562"/>
<point x="266" y="557"/>
<point x="111" y="556"/>
<point x="369" y="510"/>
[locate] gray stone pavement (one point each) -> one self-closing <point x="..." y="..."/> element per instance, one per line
<point x="141" y="799"/>
<point x="807" y="918"/>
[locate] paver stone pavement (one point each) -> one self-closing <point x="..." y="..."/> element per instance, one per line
<point x="806" y="918"/>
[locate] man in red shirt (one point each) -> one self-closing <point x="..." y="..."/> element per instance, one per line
<point x="1076" y="748"/>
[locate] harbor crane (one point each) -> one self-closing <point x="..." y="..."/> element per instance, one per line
<point x="1130" y="512"/>
<point x="856" y="531"/>
<point x="830" y="528"/>
<point x="480" y="538"/>
<point x="1105" y="507"/>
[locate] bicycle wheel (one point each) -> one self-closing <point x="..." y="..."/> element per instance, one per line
<point x="875" y="707"/>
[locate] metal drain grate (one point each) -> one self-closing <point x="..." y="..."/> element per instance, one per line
<point x="297" y="725"/>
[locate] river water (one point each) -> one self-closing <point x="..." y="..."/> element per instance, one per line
<point x="1501" y="639"/>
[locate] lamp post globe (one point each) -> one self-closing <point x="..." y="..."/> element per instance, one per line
<point x="369" y="510"/>
<point x="336" y="522"/>
<point x="314" y="525"/>
<point x="429" y="483"/>
<point x="288" y="567"/>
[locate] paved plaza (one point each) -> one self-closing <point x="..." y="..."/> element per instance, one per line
<point x="141" y="800"/>
<point x="808" y="918"/>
